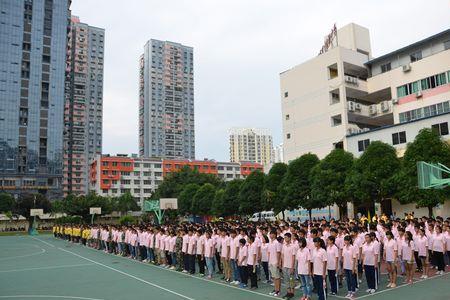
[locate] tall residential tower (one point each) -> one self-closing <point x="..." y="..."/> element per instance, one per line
<point x="251" y="144"/>
<point x="166" y="101"/>
<point x="83" y="104"/>
<point x="33" y="40"/>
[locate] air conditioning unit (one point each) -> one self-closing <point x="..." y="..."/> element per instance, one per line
<point x="395" y="101"/>
<point x="373" y="109"/>
<point x="407" y="68"/>
<point x="353" y="130"/>
<point x="351" y="106"/>
<point x="385" y="106"/>
<point x="351" y="79"/>
<point x="358" y="106"/>
<point x="419" y="94"/>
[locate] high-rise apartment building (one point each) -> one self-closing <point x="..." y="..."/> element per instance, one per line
<point x="33" y="40"/>
<point x="83" y="104"/>
<point x="251" y="144"/>
<point x="166" y="101"/>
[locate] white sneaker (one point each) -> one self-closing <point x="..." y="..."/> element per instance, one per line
<point x="368" y="290"/>
<point x="372" y="291"/>
<point x="425" y="276"/>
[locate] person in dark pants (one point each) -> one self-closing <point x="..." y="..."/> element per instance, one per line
<point x="370" y="253"/>
<point x="319" y="260"/>
<point x="332" y="264"/>
<point x="200" y="252"/>
<point x="252" y="262"/>
<point x="242" y="263"/>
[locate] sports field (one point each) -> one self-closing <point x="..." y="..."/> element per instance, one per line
<point x="46" y="268"/>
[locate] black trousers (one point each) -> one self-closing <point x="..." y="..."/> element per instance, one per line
<point x="439" y="260"/>
<point x="192" y="263"/>
<point x="333" y="280"/>
<point x="201" y="264"/>
<point x="370" y="276"/>
<point x="243" y="272"/>
<point x="219" y="265"/>
<point x="186" y="261"/>
<point x="418" y="260"/>
<point x="253" y="277"/>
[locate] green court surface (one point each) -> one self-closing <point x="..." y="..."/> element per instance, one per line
<point x="43" y="267"/>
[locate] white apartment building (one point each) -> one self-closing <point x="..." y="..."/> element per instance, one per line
<point x="343" y="91"/>
<point x="251" y="144"/>
<point x="278" y="155"/>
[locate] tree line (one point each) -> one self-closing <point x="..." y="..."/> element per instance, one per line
<point x="308" y="182"/>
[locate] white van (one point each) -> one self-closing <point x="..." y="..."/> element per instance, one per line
<point x="263" y="216"/>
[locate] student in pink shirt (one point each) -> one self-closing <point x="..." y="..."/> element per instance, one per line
<point x="209" y="253"/>
<point x="225" y="256"/>
<point x="408" y="256"/>
<point x="242" y="262"/>
<point x="191" y="251"/>
<point x="200" y="252"/>
<point x="370" y="253"/>
<point x="390" y="254"/>
<point x="274" y="256"/>
<point x="184" y="248"/>
<point x="252" y="261"/>
<point x="332" y="264"/>
<point x="349" y="262"/>
<point x="421" y="244"/>
<point x="288" y="263"/>
<point x="265" y="257"/>
<point x="303" y="258"/>
<point x="319" y="260"/>
<point x="438" y="249"/>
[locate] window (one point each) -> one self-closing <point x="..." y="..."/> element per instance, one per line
<point x="286" y="94"/>
<point x="441" y="129"/>
<point x="287" y="117"/>
<point x="137" y="182"/>
<point x="386" y="67"/>
<point x="334" y="97"/>
<point x="336" y="120"/>
<point x="427" y="111"/>
<point x="363" y="144"/>
<point x="136" y="165"/>
<point x="447" y="45"/>
<point x="433" y="81"/>
<point x="332" y="71"/>
<point x="407" y="89"/>
<point x="125" y="173"/>
<point x="416" y="56"/>
<point x="399" y="138"/>
<point x="288" y="136"/>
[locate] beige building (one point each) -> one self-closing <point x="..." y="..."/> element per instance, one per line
<point x="251" y="144"/>
<point x="344" y="98"/>
<point x="343" y="92"/>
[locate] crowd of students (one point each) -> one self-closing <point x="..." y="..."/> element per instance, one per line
<point x="312" y="256"/>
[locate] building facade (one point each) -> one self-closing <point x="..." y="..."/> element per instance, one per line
<point x="33" y="40"/>
<point x="316" y="96"/>
<point x="251" y="144"/>
<point x="140" y="176"/>
<point x="166" y="101"/>
<point x="415" y="82"/>
<point x="83" y="104"/>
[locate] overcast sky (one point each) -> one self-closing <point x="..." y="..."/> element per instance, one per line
<point x="240" y="47"/>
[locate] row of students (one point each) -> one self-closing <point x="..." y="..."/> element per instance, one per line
<point x="315" y="256"/>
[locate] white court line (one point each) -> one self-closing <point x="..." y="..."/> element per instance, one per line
<point x="45" y="268"/>
<point x="26" y="255"/>
<point x="48" y="244"/>
<point x="126" y="274"/>
<point x="195" y="277"/>
<point x="48" y="296"/>
<point x="400" y="286"/>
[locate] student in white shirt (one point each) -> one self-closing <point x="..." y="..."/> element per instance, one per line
<point x="438" y="249"/>
<point x="319" y="272"/>
<point x="303" y="258"/>
<point x="332" y="264"/>
<point x="370" y="253"/>
<point x="349" y="264"/>
<point x="408" y="256"/>
<point x="390" y="255"/>
<point x="421" y="244"/>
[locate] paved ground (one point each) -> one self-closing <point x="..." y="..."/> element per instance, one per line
<point x="46" y="268"/>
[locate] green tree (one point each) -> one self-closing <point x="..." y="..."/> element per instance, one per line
<point x="7" y="202"/>
<point x="125" y="203"/>
<point x="328" y="179"/>
<point x="29" y="201"/>
<point x="217" y="208"/>
<point x="202" y="202"/>
<point x="429" y="147"/>
<point x="173" y="184"/>
<point x="296" y="185"/>
<point x="372" y="174"/>
<point x="186" y="197"/>
<point x="231" y="197"/>
<point x="272" y="183"/>
<point x="251" y="192"/>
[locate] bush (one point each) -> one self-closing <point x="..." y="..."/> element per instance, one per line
<point x="127" y="220"/>
<point x="69" y="220"/>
